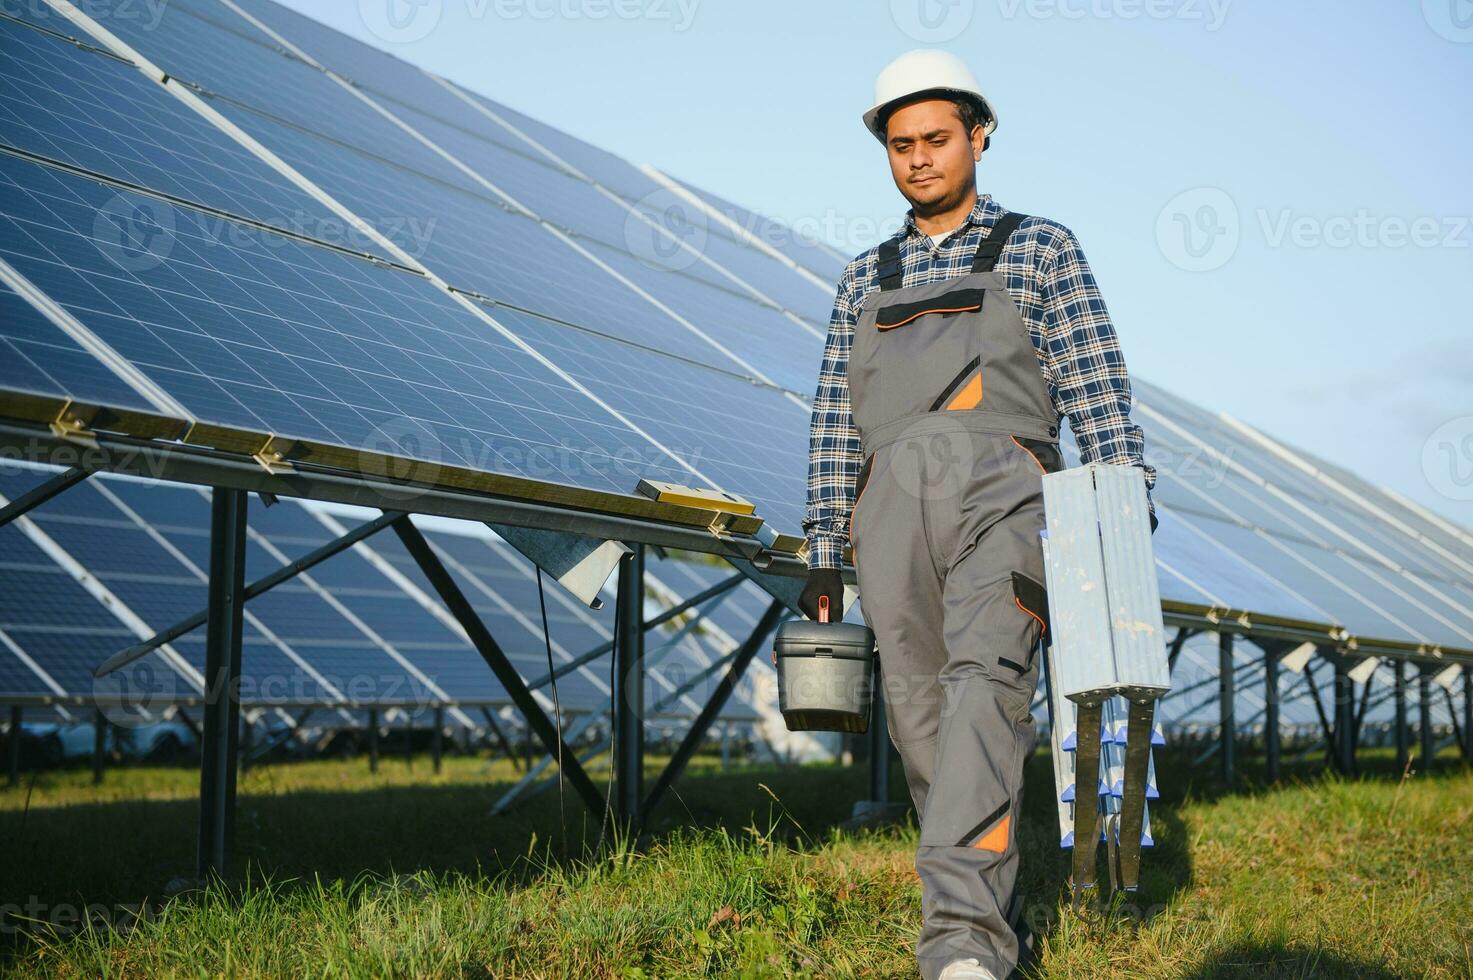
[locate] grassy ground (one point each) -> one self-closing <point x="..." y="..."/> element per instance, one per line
<point x="402" y="873"/>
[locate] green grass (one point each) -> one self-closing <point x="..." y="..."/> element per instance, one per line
<point x="402" y="873"/>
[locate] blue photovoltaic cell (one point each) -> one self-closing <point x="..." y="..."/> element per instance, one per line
<point x="36" y="356"/>
<point x="451" y="222"/>
<point x="270" y="335"/>
<point x="252" y="330"/>
<point x="50" y="617"/>
<point x="1336" y="566"/>
<point x="224" y="55"/>
<point x="56" y="623"/>
<point x="84" y="108"/>
<point x="816" y="256"/>
<point x="747" y="439"/>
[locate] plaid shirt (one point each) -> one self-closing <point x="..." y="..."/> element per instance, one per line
<point x="1044" y="270"/>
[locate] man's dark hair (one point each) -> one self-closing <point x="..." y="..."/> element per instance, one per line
<point x="967" y="109"/>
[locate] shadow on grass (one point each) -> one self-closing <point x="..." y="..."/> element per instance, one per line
<point x="1277" y="962"/>
<point x="60" y="860"/>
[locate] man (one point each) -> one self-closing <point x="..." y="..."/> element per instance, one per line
<point x="954" y="349"/>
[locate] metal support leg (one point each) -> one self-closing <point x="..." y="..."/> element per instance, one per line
<point x="1087" y="816"/>
<point x="99" y="745"/>
<point x="12" y="746"/>
<point x="1424" y="695"/>
<point x="222" y="680"/>
<point x="1271" y="714"/>
<point x="465" y="614"/>
<point x="1468" y="714"/>
<point x="879" y="741"/>
<point x="1225" y="695"/>
<point x="1344" y="718"/>
<point x="373" y="740"/>
<point x="713" y="707"/>
<point x="629" y="692"/>
<point x="437" y="744"/>
<point x="1402" y="735"/>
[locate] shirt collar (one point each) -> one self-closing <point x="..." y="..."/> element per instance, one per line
<point x="983" y="214"/>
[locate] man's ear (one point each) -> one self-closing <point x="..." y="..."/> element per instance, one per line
<point x="977" y="151"/>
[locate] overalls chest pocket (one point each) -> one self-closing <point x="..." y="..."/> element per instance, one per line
<point x="925" y="355"/>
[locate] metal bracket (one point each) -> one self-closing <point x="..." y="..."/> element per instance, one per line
<point x="70" y="426"/>
<point x="272" y="456"/>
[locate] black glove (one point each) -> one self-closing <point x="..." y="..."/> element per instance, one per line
<point x="821" y="582"/>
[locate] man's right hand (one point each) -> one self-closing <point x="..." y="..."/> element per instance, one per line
<point x="821" y="582"/>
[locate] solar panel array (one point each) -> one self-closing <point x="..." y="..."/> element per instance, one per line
<point x="114" y="560"/>
<point x="603" y="322"/>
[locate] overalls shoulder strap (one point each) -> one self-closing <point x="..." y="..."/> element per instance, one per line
<point x="991" y="246"/>
<point x="888" y="264"/>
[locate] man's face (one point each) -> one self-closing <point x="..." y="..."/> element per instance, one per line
<point x="932" y="159"/>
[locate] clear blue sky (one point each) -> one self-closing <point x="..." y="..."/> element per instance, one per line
<point x="1339" y="315"/>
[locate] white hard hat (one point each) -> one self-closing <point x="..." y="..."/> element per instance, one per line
<point x="925" y="70"/>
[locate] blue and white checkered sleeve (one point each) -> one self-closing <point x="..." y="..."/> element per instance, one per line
<point x="834" y="450"/>
<point x="1092" y="385"/>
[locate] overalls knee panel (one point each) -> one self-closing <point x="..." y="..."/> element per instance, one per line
<point x="957" y="427"/>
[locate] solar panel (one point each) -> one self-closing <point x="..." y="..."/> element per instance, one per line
<point x="275" y="336"/>
<point x="269" y="334"/>
<point x="38" y="357"/>
<point x="802" y="245"/>
<point x="344" y="630"/>
<point x="1372" y="579"/>
<point x="748" y="439"/>
<point x="88" y="110"/>
<point x="459" y="220"/>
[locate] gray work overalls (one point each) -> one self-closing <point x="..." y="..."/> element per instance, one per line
<point x="957" y="428"/>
